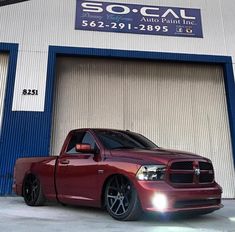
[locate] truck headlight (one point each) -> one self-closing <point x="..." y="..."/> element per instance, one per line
<point x="151" y="172"/>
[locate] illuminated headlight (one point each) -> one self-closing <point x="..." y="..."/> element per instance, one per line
<point x="151" y="172"/>
<point x="159" y="201"/>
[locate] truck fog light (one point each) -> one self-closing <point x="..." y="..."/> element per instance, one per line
<point x="159" y="201"/>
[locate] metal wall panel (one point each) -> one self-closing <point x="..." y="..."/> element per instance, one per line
<point x="3" y="80"/>
<point x="177" y="105"/>
<point x="36" y="24"/>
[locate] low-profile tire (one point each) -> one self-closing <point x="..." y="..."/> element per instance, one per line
<point x="121" y="199"/>
<point x="32" y="191"/>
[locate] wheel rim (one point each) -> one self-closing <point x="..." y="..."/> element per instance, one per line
<point x="119" y="195"/>
<point x="31" y="190"/>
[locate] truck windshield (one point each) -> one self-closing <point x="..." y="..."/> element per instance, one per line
<point x="124" y="140"/>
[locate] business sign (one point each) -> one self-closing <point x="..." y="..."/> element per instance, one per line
<point x="8" y="2"/>
<point x="138" y="19"/>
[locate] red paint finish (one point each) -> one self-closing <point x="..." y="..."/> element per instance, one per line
<point x="80" y="178"/>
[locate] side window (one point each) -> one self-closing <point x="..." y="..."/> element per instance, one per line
<point x="80" y="137"/>
<point x="76" y="138"/>
<point x="88" y="138"/>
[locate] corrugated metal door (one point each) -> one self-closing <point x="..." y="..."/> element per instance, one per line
<point x="3" y="79"/>
<point x="177" y="105"/>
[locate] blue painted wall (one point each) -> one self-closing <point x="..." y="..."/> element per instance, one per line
<point x="23" y="134"/>
<point x="27" y="134"/>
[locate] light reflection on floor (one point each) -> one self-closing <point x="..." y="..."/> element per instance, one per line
<point x="16" y="216"/>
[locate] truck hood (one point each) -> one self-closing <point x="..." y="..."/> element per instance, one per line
<point x="158" y="155"/>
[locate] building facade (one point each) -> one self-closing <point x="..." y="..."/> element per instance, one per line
<point x="161" y="68"/>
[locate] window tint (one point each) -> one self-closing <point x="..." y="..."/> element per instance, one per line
<point x="124" y="140"/>
<point x="88" y="138"/>
<point x="76" y="138"/>
<point x="80" y="137"/>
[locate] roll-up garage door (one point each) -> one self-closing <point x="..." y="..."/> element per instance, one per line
<point x="177" y="105"/>
<point x="3" y="79"/>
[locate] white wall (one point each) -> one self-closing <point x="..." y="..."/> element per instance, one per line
<point x="166" y="106"/>
<point x="36" y="24"/>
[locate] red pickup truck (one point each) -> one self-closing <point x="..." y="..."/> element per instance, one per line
<point x="122" y="171"/>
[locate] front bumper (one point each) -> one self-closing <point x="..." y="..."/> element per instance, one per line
<point x="179" y="199"/>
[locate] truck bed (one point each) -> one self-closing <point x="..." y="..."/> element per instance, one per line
<point x="25" y="165"/>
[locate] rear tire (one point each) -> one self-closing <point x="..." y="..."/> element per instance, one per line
<point x="121" y="199"/>
<point x="32" y="191"/>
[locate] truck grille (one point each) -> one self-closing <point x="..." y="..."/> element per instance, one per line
<point x="191" y="172"/>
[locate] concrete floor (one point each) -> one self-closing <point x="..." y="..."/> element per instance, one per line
<point x="16" y="216"/>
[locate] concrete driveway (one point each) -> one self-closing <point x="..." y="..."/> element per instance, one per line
<point x="16" y="216"/>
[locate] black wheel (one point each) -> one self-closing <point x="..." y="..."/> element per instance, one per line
<point x="32" y="191"/>
<point x="121" y="199"/>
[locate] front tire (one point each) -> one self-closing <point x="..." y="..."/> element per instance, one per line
<point x="32" y="191"/>
<point x="121" y="199"/>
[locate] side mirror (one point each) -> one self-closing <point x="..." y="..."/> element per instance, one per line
<point x="84" y="148"/>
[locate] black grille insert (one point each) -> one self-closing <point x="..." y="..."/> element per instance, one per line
<point x="206" y="178"/>
<point x="205" y="166"/>
<point x="181" y="178"/>
<point x="187" y="165"/>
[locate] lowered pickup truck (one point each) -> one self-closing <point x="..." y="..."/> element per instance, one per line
<point x="122" y="171"/>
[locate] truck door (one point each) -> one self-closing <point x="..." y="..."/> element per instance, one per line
<point x="77" y="173"/>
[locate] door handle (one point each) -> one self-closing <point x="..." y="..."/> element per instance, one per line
<point x="64" y="161"/>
